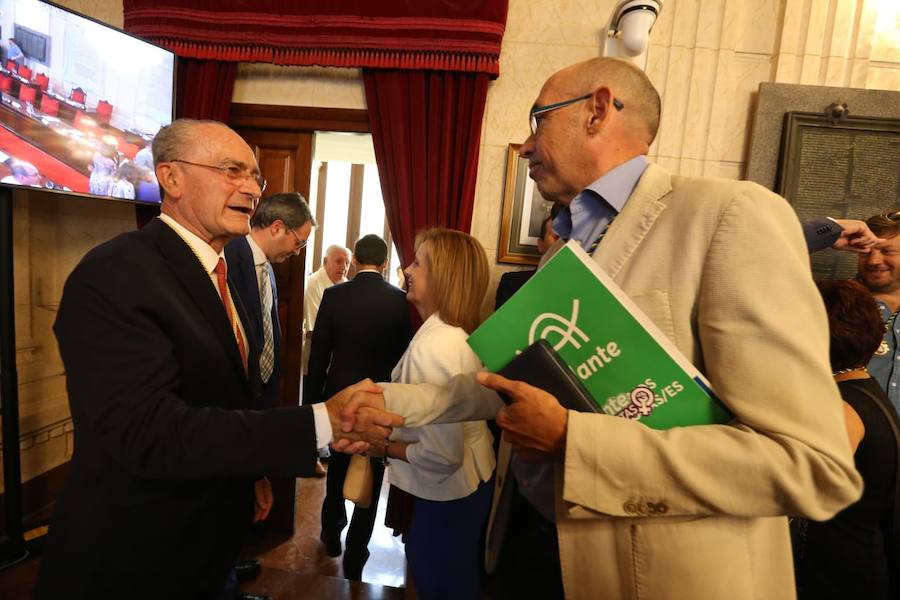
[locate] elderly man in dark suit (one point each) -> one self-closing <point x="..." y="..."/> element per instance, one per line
<point x="161" y="373"/>
<point x="362" y="330"/>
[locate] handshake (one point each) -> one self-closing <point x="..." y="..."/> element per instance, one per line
<point x="533" y="422"/>
<point x="358" y="419"/>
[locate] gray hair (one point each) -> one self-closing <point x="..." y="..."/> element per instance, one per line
<point x="289" y="207"/>
<point x="172" y="139"/>
<point x="335" y="247"/>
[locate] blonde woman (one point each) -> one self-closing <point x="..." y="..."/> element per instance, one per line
<point x="446" y="468"/>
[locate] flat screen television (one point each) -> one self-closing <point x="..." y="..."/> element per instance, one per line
<point x="80" y="103"/>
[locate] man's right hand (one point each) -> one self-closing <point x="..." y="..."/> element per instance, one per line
<point x="358" y="418"/>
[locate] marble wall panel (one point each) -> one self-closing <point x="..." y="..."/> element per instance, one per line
<point x="735" y="104"/>
<point x="684" y="25"/>
<point x="489" y="196"/>
<point x="754" y="26"/>
<point x="704" y="88"/>
<point x="558" y="22"/>
<point x="883" y="77"/>
<point x="524" y="67"/>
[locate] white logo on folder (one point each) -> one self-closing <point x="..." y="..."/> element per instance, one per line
<point x="553" y="323"/>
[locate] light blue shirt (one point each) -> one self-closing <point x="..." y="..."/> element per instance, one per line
<point x="586" y="217"/>
<point x="884" y="367"/>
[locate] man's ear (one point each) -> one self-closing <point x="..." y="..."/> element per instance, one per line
<point x="171" y="180"/>
<point x="601" y="108"/>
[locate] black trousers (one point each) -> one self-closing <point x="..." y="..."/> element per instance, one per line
<point x="334" y="514"/>
<point x="529" y="559"/>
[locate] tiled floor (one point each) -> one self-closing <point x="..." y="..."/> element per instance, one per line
<point x="304" y="554"/>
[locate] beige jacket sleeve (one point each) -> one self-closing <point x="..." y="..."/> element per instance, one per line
<point x="462" y="399"/>
<point x="761" y="327"/>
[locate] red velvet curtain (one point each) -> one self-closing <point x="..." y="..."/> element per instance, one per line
<point x="204" y="89"/>
<point x="426" y="128"/>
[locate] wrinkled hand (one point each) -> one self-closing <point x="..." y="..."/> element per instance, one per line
<point x="534" y="423"/>
<point x="358" y="419"/>
<point x="262" y="490"/>
<point x="855" y="237"/>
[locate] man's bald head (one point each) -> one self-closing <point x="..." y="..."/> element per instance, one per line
<point x="628" y="84"/>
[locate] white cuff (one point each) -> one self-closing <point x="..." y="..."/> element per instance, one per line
<point x="323" y="425"/>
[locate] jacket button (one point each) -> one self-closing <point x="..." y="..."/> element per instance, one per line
<point x="630" y="508"/>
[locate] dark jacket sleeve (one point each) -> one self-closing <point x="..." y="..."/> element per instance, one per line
<point x="142" y="399"/>
<point x="820" y="234"/>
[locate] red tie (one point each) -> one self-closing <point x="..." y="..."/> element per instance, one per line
<point x="221" y="272"/>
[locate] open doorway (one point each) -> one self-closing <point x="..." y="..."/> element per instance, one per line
<point x="345" y="195"/>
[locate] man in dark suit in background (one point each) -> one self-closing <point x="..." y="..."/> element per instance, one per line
<point x="160" y="374"/>
<point x="279" y="229"/>
<point x="362" y="330"/>
<point x="511" y="282"/>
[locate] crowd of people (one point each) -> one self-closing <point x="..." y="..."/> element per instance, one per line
<point x="175" y="438"/>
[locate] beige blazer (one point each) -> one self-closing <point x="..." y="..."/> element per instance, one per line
<point x="696" y="512"/>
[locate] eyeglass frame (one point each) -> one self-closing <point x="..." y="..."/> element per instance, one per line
<point x="230" y="174"/>
<point x="302" y="243"/>
<point x="540" y="110"/>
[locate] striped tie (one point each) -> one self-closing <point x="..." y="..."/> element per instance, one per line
<point x="221" y="272"/>
<point x="267" y="357"/>
<point x="593" y="246"/>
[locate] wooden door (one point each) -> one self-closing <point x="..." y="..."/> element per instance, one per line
<point x="282" y="138"/>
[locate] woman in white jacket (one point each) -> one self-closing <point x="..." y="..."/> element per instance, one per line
<point x="446" y="468"/>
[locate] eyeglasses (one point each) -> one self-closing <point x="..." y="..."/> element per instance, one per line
<point x="541" y="110"/>
<point x="233" y="174"/>
<point x="301" y="244"/>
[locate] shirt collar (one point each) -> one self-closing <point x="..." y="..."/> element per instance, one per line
<point x="611" y="191"/>
<point x="208" y="257"/>
<point x="259" y="257"/>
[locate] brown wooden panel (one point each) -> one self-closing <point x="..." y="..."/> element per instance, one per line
<point x="298" y="118"/>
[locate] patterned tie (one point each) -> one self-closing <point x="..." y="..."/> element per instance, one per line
<point x="221" y="272"/>
<point x="593" y="246"/>
<point x="267" y="358"/>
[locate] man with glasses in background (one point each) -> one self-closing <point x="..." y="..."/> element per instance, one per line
<point x="279" y="229"/>
<point x="879" y="270"/>
<point x="161" y="365"/>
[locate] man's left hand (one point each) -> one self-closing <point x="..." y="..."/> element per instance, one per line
<point x="855" y="237"/>
<point x="534" y="423"/>
<point x="262" y="490"/>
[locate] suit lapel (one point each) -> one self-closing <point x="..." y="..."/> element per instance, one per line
<point x="196" y="282"/>
<point x="634" y="222"/>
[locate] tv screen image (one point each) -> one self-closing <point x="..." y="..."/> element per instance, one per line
<point x="80" y="103"/>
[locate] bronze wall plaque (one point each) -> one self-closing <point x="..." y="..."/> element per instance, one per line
<point x="849" y="169"/>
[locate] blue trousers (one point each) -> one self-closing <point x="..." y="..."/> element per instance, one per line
<point x="442" y="545"/>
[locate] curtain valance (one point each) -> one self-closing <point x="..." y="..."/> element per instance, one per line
<point x="451" y="35"/>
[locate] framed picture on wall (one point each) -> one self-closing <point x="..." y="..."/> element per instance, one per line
<point x="524" y="209"/>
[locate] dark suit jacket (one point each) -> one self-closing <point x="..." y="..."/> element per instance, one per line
<point x="510" y="284"/>
<point x="160" y="486"/>
<point x="362" y="330"/>
<point x="242" y="276"/>
<point x="820" y="234"/>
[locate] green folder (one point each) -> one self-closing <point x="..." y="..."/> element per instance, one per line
<point x="628" y="365"/>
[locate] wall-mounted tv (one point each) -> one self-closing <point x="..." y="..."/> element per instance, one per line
<point x="80" y="103"/>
